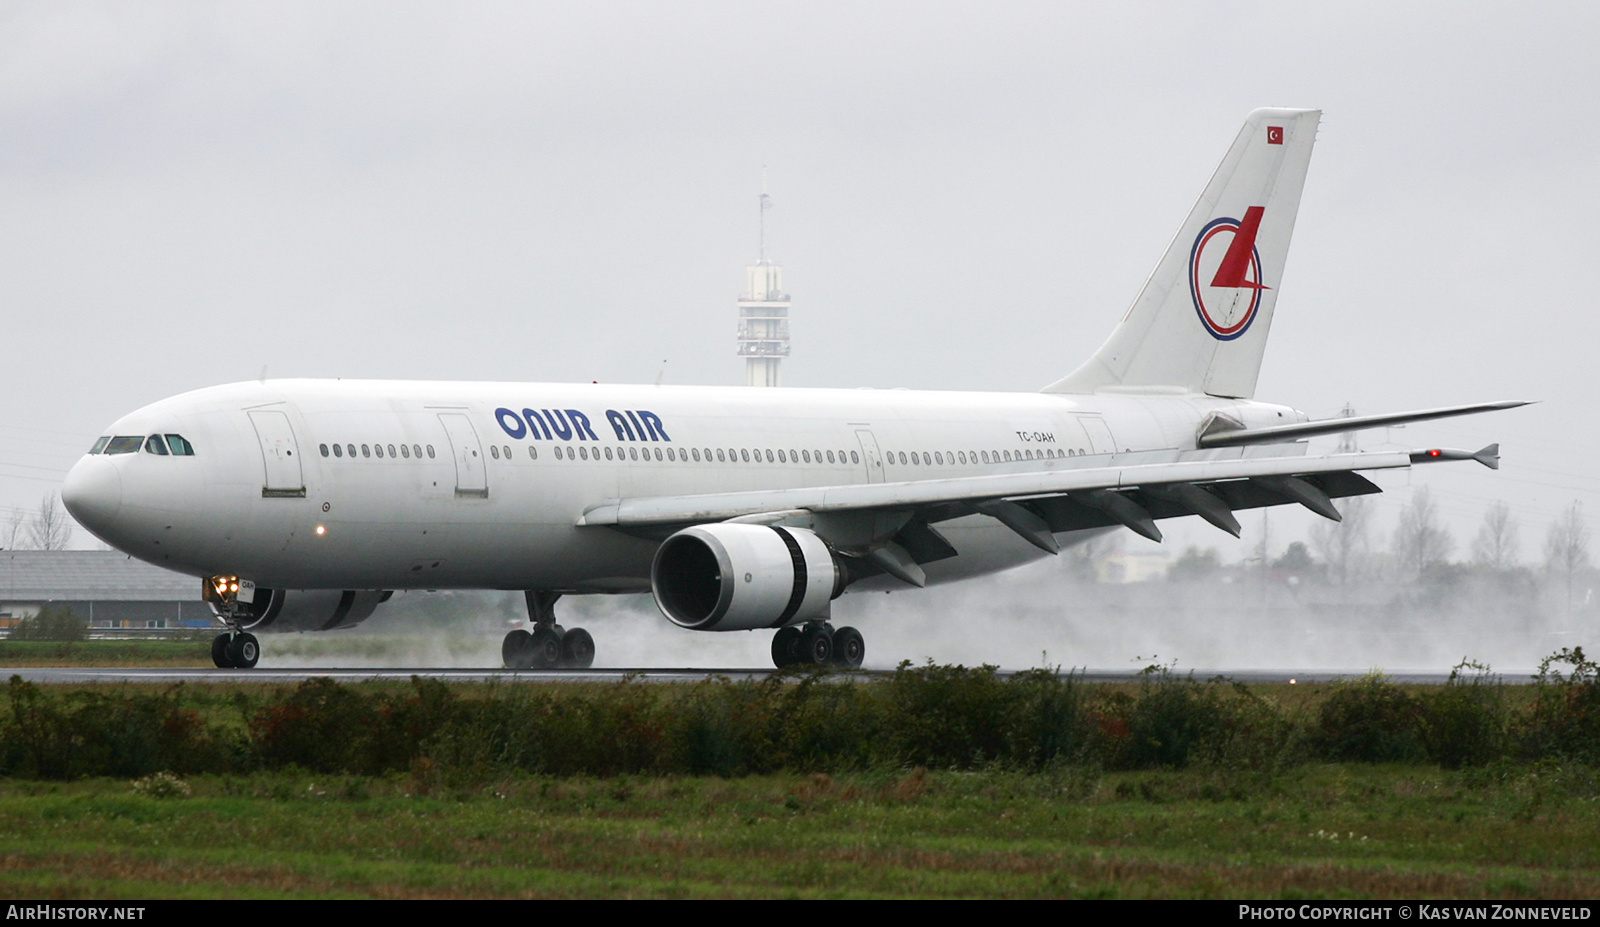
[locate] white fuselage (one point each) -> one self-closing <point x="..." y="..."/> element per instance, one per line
<point x="482" y="498"/>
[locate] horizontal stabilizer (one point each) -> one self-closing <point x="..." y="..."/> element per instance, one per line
<point x="1235" y="437"/>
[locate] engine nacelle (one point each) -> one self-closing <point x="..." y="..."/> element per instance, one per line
<point x="733" y="577"/>
<point x="309" y="609"/>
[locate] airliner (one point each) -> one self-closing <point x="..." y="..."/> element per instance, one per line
<point x="303" y="505"/>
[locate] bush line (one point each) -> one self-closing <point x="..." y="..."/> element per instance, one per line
<point x="943" y="717"/>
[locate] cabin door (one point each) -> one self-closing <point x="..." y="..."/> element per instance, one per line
<point x="471" y="480"/>
<point x="280" y="454"/>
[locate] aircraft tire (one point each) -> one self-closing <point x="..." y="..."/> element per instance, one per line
<point x="244" y="650"/>
<point x="219" y="652"/>
<point x="849" y="648"/>
<point x="577" y="649"/>
<point x="516" y="650"/>
<point x="544" y="648"/>
<point x="816" y="645"/>
<point x="785" y="646"/>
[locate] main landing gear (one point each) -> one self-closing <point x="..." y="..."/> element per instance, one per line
<point x="816" y="643"/>
<point x="547" y="645"/>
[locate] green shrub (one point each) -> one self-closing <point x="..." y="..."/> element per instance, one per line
<point x="1171" y="721"/>
<point x="945" y="717"/>
<point x="1565" y="718"/>
<point x="1465" y="722"/>
<point x="1370" y="720"/>
<point x="52" y="623"/>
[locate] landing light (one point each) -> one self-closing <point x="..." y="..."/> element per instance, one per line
<point x="321" y="531"/>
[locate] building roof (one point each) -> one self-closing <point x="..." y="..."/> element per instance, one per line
<point x="89" y="575"/>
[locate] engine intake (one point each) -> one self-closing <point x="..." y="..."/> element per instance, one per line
<point x="310" y="609"/>
<point x="732" y="577"/>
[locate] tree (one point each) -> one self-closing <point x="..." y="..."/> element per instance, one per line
<point x="1194" y="564"/>
<point x="15" y="536"/>
<point x="1496" y="545"/>
<point x="1420" y="541"/>
<point x="51" y="528"/>
<point x="1343" y="545"/>
<point x="1566" y="547"/>
<point x="52" y="623"/>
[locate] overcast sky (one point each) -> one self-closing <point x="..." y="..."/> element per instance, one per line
<point x="967" y="196"/>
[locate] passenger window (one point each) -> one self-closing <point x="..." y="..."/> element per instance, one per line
<point x="323" y="448"/>
<point x="805" y="456"/>
<point x="781" y="458"/>
<point x="696" y="452"/>
<point x="391" y="450"/>
<point x="671" y="455"/>
<point x="658" y="453"/>
<point x="405" y="452"/>
<point x="350" y="449"/>
<point x="962" y="455"/>
<point x="608" y="453"/>
<point x="720" y="458"/>
<point x="154" y="445"/>
<point x="582" y="452"/>
<point x="558" y="452"/>
<point x="985" y="456"/>
<point x="856" y="458"/>
<point x="533" y="452"/>
<point x="338" y="450"/>
<point x="633" y="453"/>
<point x="938" y="458"/>
<point x="830" y="457"/>
<point x="419" y="453"/>
<point x="366" y="451"/>
<point x="494" y="452"/>
<point x="100" y="445"/>
<point x="377" y="451"/>
<point x="769" y="455"/>
<point x="507" y="449"/>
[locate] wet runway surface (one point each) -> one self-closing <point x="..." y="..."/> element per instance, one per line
<point x="112" y="675"/>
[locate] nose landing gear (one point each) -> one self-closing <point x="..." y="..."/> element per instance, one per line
<point x="234" y="648"/>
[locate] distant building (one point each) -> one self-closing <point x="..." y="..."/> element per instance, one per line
<point x="106" y="588"/>
<point x="1124" y="566"/>
<point x="763" y="316"/>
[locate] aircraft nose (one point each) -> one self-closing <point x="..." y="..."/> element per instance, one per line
<point x="93" y="493"/>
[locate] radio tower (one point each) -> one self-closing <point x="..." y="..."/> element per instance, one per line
<point x="763" y="313"/>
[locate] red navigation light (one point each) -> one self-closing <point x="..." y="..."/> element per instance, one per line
<point x="1434" y="453"/>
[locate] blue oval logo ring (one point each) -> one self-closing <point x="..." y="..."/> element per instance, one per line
<point x="1238" y="269"/>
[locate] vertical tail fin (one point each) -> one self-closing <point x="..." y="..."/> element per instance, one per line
<point x="1201" y="320"/>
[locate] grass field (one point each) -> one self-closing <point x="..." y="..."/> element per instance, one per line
<point x="933" y="781"/>
<point x="153" y="653"/>
<point x="1324" y="831"/>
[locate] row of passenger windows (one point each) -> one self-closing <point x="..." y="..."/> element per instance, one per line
<point x="377" y="450"/>
<point x="698" y="455"/>
<point x="757" y="455"/>
<point x="633" y="452"/>
<point x="160" y="445"/>
<point x="964" y="457"/>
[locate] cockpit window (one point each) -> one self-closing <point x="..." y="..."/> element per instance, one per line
<point x="154" y="445"/>
<point x="100" y="445"/>
<point x="180" y="446"/>
<point x="125" y="444"/>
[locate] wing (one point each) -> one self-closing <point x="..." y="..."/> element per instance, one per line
<point x="893" y="525"/>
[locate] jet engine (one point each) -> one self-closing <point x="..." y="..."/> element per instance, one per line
<point x="737" y="577"/>
<point x="309" y="609"/>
